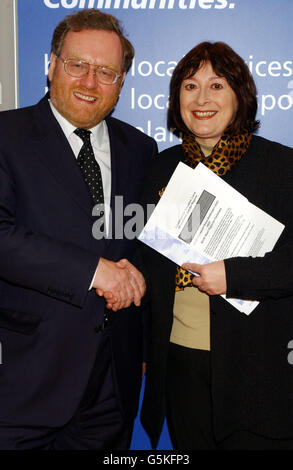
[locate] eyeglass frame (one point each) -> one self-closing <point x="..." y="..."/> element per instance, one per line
<point x="64" y="61"/>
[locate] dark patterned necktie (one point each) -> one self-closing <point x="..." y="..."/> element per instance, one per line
<point x="90" y="167"/>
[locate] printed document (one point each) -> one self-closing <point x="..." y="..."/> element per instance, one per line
<point x="200" y="218"/>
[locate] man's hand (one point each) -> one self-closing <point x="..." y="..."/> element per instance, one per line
<point x="211" y="279"/>
<point x="119" y="282"/>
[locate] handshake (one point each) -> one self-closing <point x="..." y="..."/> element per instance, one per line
<point x="120" y="283"/>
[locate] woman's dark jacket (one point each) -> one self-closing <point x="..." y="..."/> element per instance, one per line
<point x="251" y="370"/>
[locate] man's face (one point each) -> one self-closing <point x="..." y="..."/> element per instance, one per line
<point x="84" y="101"/>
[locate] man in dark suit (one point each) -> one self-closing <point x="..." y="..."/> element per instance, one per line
<point x="71" y="369"/>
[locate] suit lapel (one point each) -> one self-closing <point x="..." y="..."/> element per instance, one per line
<point x="121" y="160"/>
<point x="119" y="173"/>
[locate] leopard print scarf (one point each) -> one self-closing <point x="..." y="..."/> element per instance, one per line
<point x="226" y="153"/>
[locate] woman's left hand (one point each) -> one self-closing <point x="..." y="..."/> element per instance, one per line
<point x="211" y="279"/>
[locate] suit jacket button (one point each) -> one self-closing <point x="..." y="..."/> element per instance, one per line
<point x="100" y="328"/>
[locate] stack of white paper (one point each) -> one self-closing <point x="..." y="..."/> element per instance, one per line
<point x="200" y="218"/>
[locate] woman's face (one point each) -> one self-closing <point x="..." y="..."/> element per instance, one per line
<point x="207" y="104"/>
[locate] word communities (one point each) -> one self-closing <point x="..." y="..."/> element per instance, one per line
<point x="112" y="460"/>
<point x="140" y="4"/>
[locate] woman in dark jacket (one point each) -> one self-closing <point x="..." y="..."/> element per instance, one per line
<point x="222" y="378"/>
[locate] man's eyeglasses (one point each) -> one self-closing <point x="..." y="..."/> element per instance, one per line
<point x="78" y="68"/>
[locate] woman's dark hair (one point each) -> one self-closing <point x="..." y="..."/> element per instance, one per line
<point x="92" y="19"/>
<point x="225" y="63"/>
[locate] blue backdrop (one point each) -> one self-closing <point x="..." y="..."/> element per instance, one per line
<point x="162" y="31"/>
